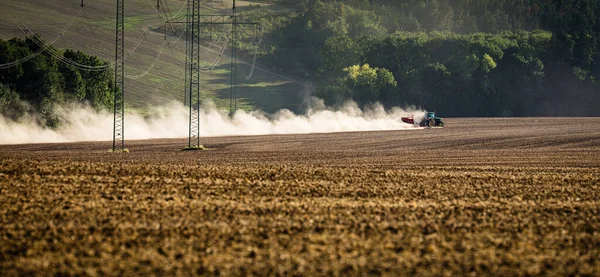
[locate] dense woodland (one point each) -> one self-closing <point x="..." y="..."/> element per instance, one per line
<point x="39" y="86"/>
<point x="460" y="57"/>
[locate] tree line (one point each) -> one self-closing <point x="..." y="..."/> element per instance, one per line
<point x="38" y="86"/>
<point x="460" y="57"/>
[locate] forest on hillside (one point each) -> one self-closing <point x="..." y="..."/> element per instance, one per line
<point x="40" y="85"/>
<point x="460" y="57"/>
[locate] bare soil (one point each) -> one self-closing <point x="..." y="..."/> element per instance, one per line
<point x="502" y="196"/>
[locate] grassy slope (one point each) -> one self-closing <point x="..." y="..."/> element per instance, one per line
<point x="267" y="90"/>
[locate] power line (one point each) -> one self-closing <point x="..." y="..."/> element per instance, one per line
<point x="168" y="10"/>
<point x="217" y="59"/>
<point x="256" y="47"/>
<point x="41" y="50"/>
<point x="87" y="21"/>
<point x="78" y="65"/>
<point x="49" y="49"/>
<point x="165" y="16"/>
<point x="151" y="66"/>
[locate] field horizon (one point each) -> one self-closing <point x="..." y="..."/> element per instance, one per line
<point x="485" y="196"/>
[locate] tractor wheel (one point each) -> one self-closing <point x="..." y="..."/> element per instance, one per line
<point x="431" y="123"/>
<point x="441" y="124"/>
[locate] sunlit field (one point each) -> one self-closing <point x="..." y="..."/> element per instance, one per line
<point x="507" y="197"/>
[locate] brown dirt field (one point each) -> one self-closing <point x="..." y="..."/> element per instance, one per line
<point x="482" y="196"/>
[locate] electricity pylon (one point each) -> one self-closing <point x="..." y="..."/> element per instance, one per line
<point x="193" y="47"/>
<point x="233" y="87"/>
<point x="192" y="66"/>
<point x="119" y="89"/>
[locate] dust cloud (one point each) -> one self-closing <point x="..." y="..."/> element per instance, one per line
<point x="171" y="121"/>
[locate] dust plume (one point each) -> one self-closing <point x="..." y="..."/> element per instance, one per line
<point x="81" y="123"/>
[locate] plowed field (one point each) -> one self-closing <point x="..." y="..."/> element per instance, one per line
<point x="482" y="196"/>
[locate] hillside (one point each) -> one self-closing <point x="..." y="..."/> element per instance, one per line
<point x="462" y="59"/>
<point x="93" y="32"/>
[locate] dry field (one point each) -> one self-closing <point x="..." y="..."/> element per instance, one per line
<point x="509" y="197"/>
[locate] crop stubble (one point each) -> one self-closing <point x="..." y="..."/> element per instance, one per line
<point x="483" y="196"/>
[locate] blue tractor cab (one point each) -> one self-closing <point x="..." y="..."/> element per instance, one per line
<point x="430" y="120"/>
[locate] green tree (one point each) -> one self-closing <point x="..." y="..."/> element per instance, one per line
<point x="364" y="84"/>
<point x="42" y="83"/>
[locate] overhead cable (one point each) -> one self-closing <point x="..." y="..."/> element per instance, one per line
<point x="42" y="49"/>
<point x="256" y="47"/>
<point x="135" y="77"/>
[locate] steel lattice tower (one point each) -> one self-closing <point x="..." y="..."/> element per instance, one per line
<point x="233" y="92"/>
<point x="192" y="63"/>
<point x="119" y="89"/>
<point x="186" y="91"/>
<point x="193" y="26"/>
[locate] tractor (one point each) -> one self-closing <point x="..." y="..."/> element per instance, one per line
<point x="429" y="120"/>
